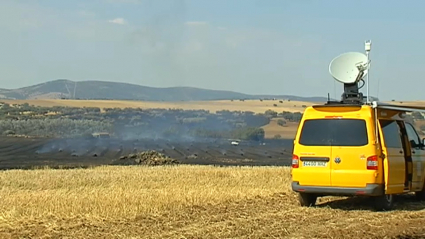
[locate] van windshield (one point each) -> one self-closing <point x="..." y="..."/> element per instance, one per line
<point x="334" y="132"/>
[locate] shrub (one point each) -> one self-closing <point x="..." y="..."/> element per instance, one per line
<point x="54" y="127"/>
<point x="281" y="122"/>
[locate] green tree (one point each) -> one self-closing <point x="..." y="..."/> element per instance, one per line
<point x="281" y="122"/>
<point x="270" y="113"/>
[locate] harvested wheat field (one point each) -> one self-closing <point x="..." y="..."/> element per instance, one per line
<point x="185" y="202"/>
<point x="286" y="131"/>
<point x="255" y="106"/>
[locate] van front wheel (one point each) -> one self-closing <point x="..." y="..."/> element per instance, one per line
<point x="307" y="199"/>
<point x="384" y="202"/>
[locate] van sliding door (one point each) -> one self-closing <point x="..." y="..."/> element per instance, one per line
<point x="394" y="162"/>
<point x="418" y="157"/>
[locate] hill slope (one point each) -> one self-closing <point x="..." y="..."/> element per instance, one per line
<point x="123" y="91"/>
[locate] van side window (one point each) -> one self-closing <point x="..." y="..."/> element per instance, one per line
<point x="413" y="136"/>
<point x="391" y="133"/>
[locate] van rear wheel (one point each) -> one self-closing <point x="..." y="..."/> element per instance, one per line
<point x="384" y="202"/>
<point x="421" y="194"/>
<point x="307" y="199"/>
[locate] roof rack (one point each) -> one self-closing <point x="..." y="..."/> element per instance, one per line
<point x="406" y="108"/>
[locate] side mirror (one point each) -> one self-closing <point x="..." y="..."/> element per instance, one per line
<point x="413" y="144"/>
<point x="423" y="142"/>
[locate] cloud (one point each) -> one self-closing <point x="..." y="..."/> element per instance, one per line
<point x="119" y="21"/>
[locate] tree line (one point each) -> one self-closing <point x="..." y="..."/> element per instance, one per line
<point x="61" y="121"/>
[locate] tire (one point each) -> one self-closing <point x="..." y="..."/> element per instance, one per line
<point x="384" y="202"/>
<point x="421" y="194"/>
<point x="307" y="199"/>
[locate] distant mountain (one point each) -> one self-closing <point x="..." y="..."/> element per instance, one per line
<point x="123" y="91"/>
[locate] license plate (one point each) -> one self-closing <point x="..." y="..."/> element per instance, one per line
<point x="314" y="164"/>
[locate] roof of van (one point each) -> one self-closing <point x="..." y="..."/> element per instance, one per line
<point x="342" y="110"/>
<point x="379" y="105"/>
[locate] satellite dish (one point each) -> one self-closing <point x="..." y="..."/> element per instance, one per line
<point x="349" y="68"/>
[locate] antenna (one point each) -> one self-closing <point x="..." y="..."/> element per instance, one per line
<point x="350" y="68"/>
<point x="367" y="46"/>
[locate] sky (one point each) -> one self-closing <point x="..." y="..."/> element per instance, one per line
<point x="249" y="46"/>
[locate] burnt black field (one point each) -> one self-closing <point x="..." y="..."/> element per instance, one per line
<point x="28" y="153"/>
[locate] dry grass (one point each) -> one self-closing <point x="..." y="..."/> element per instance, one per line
<point x="287" y="131"/>
<point x="184" y="202"/>
<point x="410" y="103"/>
<point x="255" y="106"/>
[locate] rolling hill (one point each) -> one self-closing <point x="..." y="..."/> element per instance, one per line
<point x="58" y="89"/>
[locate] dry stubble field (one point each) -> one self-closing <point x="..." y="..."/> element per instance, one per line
<point x="255" y="106"/>
<point x="185" y="202"/>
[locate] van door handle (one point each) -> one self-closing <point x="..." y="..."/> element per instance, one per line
<point x="401" y="151"/>
<point x="413" y="152"/>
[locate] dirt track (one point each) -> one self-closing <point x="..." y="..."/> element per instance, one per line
<point x="30" y="153"/>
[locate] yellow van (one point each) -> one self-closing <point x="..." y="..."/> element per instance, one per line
<point x="351" y="149"/>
